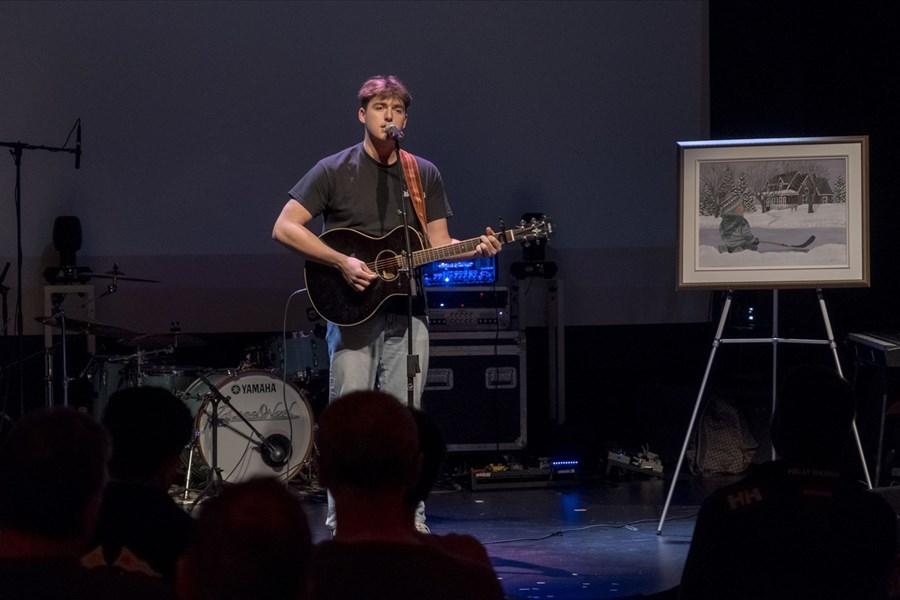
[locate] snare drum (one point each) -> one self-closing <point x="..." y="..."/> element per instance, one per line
<point x="302" y="356"/>
<point x="277" y="410"/>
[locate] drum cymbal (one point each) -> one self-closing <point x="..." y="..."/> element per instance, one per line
<point x="86" y="327"/>
<point x="163" y="340"/>
<point x="118" y="276"/>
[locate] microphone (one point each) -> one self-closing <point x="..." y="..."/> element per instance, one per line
<point x="394" y="132"/>
<point x="275" y="450"/>
<point x="78" y="146"/>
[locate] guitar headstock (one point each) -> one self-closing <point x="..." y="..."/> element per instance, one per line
<point x="534" y="230"/>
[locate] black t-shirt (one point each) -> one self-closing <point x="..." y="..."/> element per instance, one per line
<point x="785" y="532"/>
<point x="350" y="189"/>
<point x="145" y="520"/>
<point x="63" y="578"/>
<point x="398" y="571"/>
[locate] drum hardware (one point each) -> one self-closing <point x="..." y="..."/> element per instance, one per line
<point x="108" y="374"/>
<point x="253" y="358"/>
<point x="59" y="319"/>
<point x="302" y="356"/>
<point x="134" y="364"/>
<point x="190" y="465"/>
<point x="163" y="340"/>
<point x="171" y="339"/>
<point x="116" y="275"/>
<point x="214" y="481"/>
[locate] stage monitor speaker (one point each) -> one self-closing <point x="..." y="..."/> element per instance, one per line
<point x="476" y="394"/>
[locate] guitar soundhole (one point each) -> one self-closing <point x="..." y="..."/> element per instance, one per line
<point x="387" y="265"/>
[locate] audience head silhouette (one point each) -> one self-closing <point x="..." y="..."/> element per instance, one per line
<point x="149" y="427"/>
<point x="380" y="459"/>
<point x="251" y="541"/>
<point x="52" y="474"/>
<point x="139" y="523"/>
<point x="813" y="416"/>
<point x="798" y="527"/>
<point x="368" y="440"/>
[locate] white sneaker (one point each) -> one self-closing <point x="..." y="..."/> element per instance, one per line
<point x="421" y="527"/>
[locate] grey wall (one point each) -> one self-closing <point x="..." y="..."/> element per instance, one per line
<point x="197" y="117"/>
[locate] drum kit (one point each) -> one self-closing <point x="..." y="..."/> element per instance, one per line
<point x="251" y="421"/>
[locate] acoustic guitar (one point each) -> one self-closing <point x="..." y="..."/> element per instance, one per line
<point x="336" y="301"/>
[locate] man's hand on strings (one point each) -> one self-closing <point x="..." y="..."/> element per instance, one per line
<point x="356" y="273"/>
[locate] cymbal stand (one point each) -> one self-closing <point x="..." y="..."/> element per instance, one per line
<point x="61" y="315"/>
<point x="272" y="452"/>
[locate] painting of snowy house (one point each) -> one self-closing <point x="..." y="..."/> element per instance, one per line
<point x="774" y="213"/>
<point x="790" y="190"/>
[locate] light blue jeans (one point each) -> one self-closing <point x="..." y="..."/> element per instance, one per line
<point x="372" y="355"/>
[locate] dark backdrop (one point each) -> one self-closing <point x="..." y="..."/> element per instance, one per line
<point x="776" y="70"/>
<point x="199" y="116"/>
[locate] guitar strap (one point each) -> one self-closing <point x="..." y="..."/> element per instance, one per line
<point x="416" y="194"/>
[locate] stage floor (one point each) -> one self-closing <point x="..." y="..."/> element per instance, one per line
<point x="588" y="541"/>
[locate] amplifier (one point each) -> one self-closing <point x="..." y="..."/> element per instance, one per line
<point x="468" y="309"/>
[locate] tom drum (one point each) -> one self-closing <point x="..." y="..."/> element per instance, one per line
<point x="302" y="356"/>
<point x="115" y="373"/>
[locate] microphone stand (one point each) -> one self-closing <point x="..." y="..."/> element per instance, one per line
<point x="16" y="149"/>
<point x="412" y="359"/>
<point x="4" y="290"/>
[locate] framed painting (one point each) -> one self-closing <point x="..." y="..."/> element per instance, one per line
<point x="774" y="213"/>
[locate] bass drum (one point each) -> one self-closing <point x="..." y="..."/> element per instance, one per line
<point x="277" y="410"/>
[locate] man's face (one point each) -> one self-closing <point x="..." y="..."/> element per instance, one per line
<point x="380" y="111"/>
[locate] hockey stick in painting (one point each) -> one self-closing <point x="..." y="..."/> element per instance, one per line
<point x="809" y="241"/>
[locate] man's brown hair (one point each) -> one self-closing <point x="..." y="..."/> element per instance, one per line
<point x="384" y="85"/>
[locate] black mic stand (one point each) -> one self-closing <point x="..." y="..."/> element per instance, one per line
<point x="214" y="482"/>
<point x="273" y="454"/>
<point x="16" y="149"/>
<point x="412" y="359"/>
<point x="4" y="290"/>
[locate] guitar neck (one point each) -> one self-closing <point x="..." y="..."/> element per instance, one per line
<point x="430" y="255"/>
